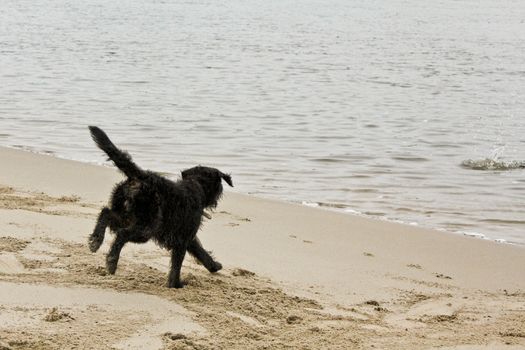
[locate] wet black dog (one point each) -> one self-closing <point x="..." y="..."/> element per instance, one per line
<point x="148" y="206"/>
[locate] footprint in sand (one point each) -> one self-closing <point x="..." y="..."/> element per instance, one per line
<point x="243" y="273"/>
<point x="415" y="266"/>
<point x="440" y="275"/>
<point x="246" y="319"/>
<point x="55" y="315"/>
<point x="304" y="240"/>
<point x="176" y="336"/>
<point x="235" y="217"/>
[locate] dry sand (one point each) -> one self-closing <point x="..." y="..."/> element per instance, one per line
<point x="294" y="277"/>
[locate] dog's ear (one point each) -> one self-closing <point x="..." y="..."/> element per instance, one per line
<point x="227" y="178"/>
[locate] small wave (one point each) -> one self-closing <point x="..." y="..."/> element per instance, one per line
<point x="491" y="164"/>
<point x="333" y="205"/>
<point x="473" y="234"/>
<point x="310" y="204"/>
<point x="324" y="205"/>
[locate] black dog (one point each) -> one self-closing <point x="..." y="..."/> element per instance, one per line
<point x="148" y="206"/>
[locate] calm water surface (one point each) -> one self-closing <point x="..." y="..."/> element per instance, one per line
<point x="402" y="110"/>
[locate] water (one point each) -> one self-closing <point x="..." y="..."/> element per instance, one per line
<point x="386" y="108"/>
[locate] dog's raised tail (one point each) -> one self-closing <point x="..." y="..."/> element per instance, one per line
<point x="121" y="159"/>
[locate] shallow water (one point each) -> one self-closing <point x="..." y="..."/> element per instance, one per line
<point x="381" y="108"/>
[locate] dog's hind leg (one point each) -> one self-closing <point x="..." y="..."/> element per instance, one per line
<point x="114" y="252"/>
<point x="135" y="234"/>
<point x="195" y="248"/>
<point x="177" y="257"/>
<point x="97" y="237"/>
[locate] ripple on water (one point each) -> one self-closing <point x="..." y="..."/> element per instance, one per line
<point x="328" y="160"/>
<point x="411" y="159"/>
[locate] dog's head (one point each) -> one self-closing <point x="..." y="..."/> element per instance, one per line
<point x="210" y="179"/>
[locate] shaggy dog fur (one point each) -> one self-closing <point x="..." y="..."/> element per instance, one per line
<point x="148" y="206"/>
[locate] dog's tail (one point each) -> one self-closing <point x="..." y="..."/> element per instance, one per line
<point x="121" y="159"/>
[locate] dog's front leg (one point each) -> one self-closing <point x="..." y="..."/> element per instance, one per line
<point x="114" y="253"/>
<point x="177" y="257"/>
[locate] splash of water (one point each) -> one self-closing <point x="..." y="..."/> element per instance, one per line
<point x="497" y="152"/>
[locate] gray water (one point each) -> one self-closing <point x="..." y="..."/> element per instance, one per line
<point x="401" y="110"/>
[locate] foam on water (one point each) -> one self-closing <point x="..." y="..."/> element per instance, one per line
<point x="492" y="164"/>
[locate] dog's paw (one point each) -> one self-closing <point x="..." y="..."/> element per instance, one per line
<point x="111" y="265"/>
<point x="94" y="244"/>
<point x="176" y="285"/>
<point x="217" y="266"/>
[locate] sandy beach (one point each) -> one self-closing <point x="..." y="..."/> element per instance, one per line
<point x="294" y="277"/>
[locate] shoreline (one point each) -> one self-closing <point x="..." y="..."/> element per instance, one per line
<point x="317" y="205"/>
<point x="293" y="276"/>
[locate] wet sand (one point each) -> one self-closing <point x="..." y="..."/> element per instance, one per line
<point x="294" y="277"/>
